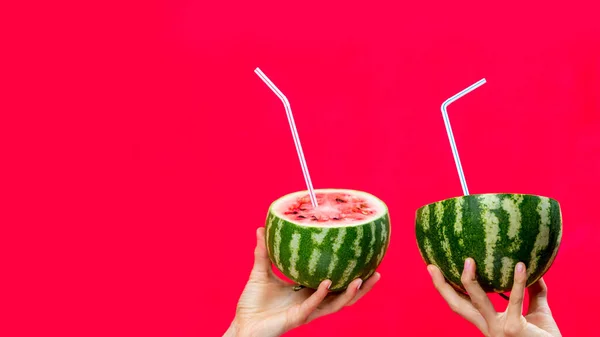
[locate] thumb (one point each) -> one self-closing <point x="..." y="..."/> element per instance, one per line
<point x="262" y="264"/>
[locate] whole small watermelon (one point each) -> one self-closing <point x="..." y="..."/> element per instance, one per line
<point x="496" y="230"/>
<point x="344" y="238"/>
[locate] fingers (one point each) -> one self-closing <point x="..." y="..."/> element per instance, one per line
<point x="514" y="313"/>
<point x="479" y="298"/>
<point x="262" y="264"/>
<point x="538" y="297"/>
<point x="366" y="287"/>
<point x="310" y="304"/>
<point x="341" y="300"/>
<point x="457" y="303"/>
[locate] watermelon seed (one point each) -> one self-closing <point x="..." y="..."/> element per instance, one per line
<point x="301" y="217"/>
<point x="340" y="200"/>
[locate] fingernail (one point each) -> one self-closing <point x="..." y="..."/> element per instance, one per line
<point x="520" y="267"/>
<point x="328" y="284"/>
<point x="468" y="264"/>
<point x="359" y="284"/>
<point x="429" y="271"/>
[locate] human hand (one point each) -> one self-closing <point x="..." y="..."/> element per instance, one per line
<point x="269" y="307"/>
<point x="478" y="309"/>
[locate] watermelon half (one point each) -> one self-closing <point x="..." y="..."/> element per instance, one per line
<point x="343" y="239"/>
<point x="496" y="230"/>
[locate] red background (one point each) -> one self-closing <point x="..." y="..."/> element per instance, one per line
<point x="139" y="151"/>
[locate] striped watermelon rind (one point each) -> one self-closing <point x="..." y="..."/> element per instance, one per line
<point x="307" y="255"/>
<point x="496" y="230"/>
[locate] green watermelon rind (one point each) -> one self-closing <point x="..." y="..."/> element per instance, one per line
<point x="307" y="255"/>
<point x="497" y="230"/>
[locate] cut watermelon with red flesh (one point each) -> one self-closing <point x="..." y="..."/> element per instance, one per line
<point x="335" y="207"/>
<point x="345" y="238"/>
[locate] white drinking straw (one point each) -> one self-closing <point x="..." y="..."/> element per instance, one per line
<point x="288" y="111"/>
<point x="445" y="105"/>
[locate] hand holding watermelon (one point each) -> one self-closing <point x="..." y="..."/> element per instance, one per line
<point x="478" y="309"/>
<point x="269" y="306"/>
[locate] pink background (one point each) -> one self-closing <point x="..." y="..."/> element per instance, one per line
<point x="139" y="152"/>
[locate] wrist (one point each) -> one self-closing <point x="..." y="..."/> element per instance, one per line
<point x="233" y="331"/>
<point x="237" y="329"/>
